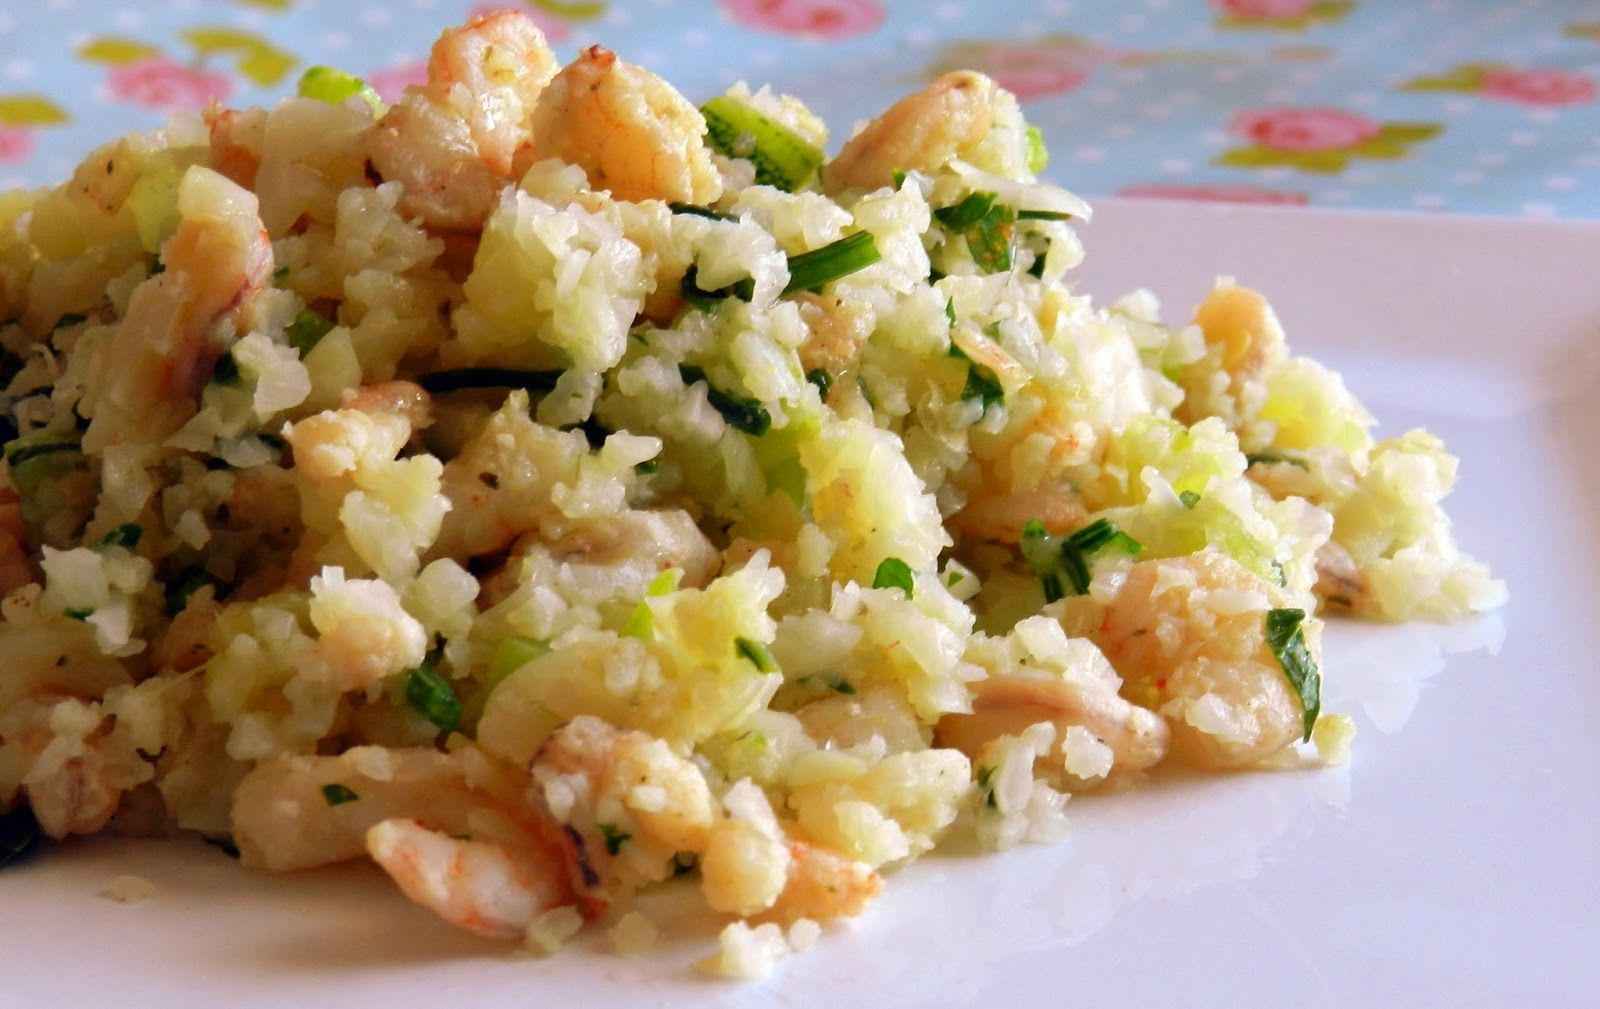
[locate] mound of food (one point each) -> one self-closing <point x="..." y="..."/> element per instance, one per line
<point x="544" y="488"/>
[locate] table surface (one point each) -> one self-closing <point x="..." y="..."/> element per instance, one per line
<point x="1465" y="106"/>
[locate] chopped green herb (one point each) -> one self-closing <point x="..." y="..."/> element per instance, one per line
<point x="157" y="267"/>
<point x="782" y="157"/>
<point x="986" y="224"/>
<point x="982" y="384"/>
<point x="706" y="301"/>
<point x="307" y="330"/>
<point x="458" y="379"/>
<point x="1189" y="498"/>
<point x="126" y="536"/>
<point x="899" y="178"/>
<point x="19" y="834"/>
<point x="332" y="85"/>
<point x="894" y="573"/>
<point x="866" y="391"/>
<point x="1043" y="215"/>
<point x="1038" y="154"/>
<point x="841" y="685"/>
<point x="822" y="379"/>
<point x="1278" y="574"/>
<point x="1287" y="639"/>
<point x="746" y="414"/>
<point x="648" y="467"/>
<point x="280" y="274"/>
<point x="433" y="697"/>
<point x="757" y="653"/>
<point x="615" y="837"/>
<point x="185" y="584"/>
<point x="698" y="211"/>
<point x="23" y="450"/>
<point x="1061" y="562"/>
<point x="950" y="311"/>
<point x="80" y="613"/>
<point x="1036" y="270"/>
<point x="70" y="319"/>
<point x="1270" y="458"/>
<point x="986" y="785"/>
<point x="810" y="270"/>
<point x="338" y="795"/>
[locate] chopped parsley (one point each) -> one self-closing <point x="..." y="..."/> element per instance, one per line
<point x="80" y="613"/>
<point x="1061" y="563"/>
<point x="615" y="837"/>
<point x="1287" y="639"/>
<point x="745" y="413"/>
<point x="983" y="385"/>
<point x="1271" y="458"/>
<point x="756" y="653"/>
<point x="433" y="697"/>
<point x="894" y="573"/>
<point x="338" y="795"/>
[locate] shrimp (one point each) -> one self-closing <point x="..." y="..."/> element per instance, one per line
<point x="1188" y="635"/>
<point x="822" y="884"/>
<point x="492" y="69"/>
<point x="237" y="136"/>
<point x="16" y="561"/>
<point x="483" y="887"/>
<point x="626" y="128"/>
<point x="451" y="143"/>
<point x="149" y="374"/>
<point x="1000" y="518"/>
<point x="456" y="831"/>
<point x="1007" y="705"/>
<point x="1244" y="341"/>
<point x="920" y="132"/>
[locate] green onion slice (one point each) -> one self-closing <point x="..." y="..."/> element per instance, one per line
<point x="511" y="654"/>
<point x="1043" y="215"/>
<point x="745" y="413"/>
<point x="810" y="270"/>
<point x="756" y="653"/>
<point x="1061" y="562"/>
<point x="822" y="378"/>
<point x="1038" y="153"/>
<point x="22" y="450"/>
<point x="696" y="210"/>
<point x="1286" y="637"/>
<point x="332" y="85"/>
<point x="894" y="573"/>
<point x="458" y="379"/>
<point x="782" y="157"/>
<point x="1269" y="458"/>
<point x="433" y="697"/>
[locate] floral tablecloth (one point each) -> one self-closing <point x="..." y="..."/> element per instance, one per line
<point x="1488" y="106"/>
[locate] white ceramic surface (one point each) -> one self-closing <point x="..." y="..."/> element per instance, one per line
<point x="1452" y="864"/>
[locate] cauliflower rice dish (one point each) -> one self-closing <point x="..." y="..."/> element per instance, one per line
<point x="544" y="488"/>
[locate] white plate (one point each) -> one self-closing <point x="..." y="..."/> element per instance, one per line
<point x="1452" y="864"/>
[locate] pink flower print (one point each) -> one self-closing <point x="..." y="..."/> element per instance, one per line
<point x="1031" y="72"/>
<point x="391" y="82"/>
<point x="161" y="83"/>
<point x="1542" y="87"/>
<point x="555" y="29"/>
<point x="1264" y="9"/>
<point x="15" y="145"/>
<point x="828" y="19"/>
<point x="1258" y="195"/>
<point x="1319" y="129"/>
